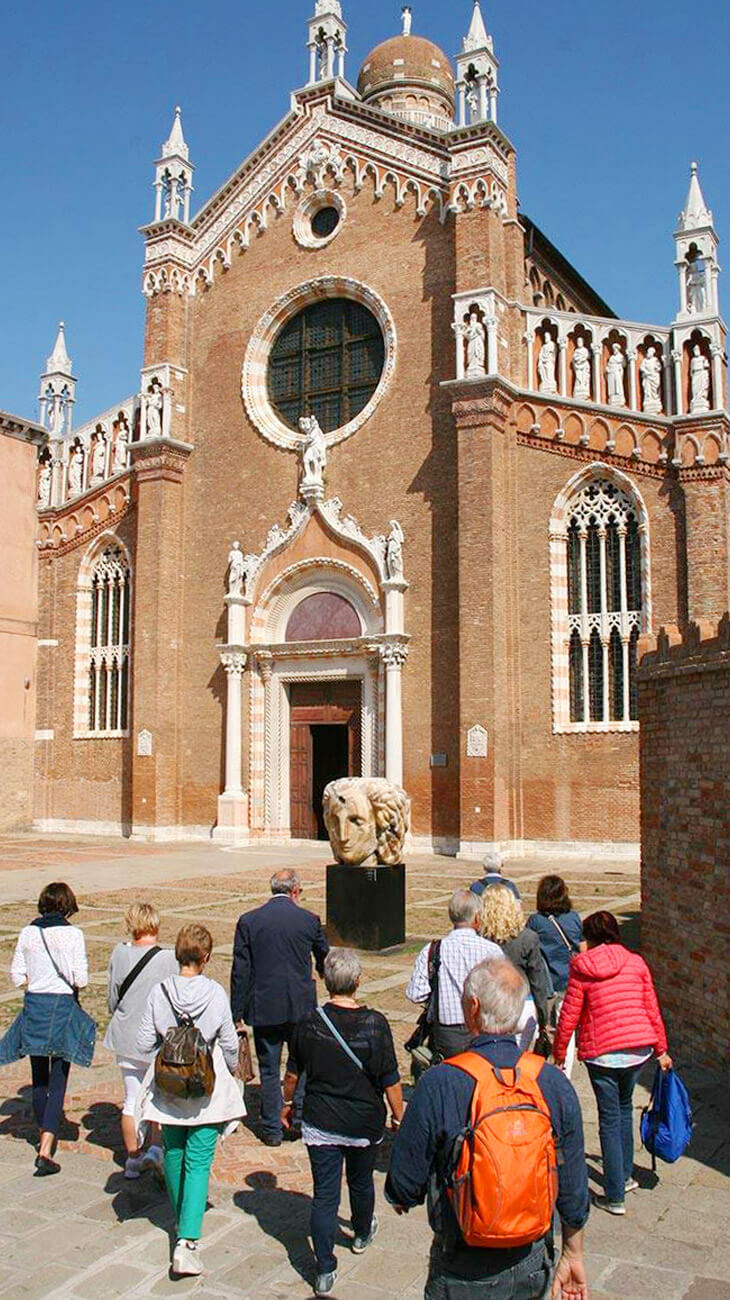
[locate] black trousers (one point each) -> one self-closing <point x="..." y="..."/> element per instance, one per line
<point x="50" y="1076"/>
<point x="270" y="1041"/>
<point x="449" y="1040"/>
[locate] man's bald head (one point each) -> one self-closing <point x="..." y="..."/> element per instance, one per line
<point x="494" y="996"/>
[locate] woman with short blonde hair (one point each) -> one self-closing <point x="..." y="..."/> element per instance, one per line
<point x="503" y="922"/>
<point x="135" y="967"/>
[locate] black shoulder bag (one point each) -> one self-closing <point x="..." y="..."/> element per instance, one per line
<point x="421" y="1040"/>
<point x="131" y="975"/>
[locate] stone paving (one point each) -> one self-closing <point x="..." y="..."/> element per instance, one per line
<point x="89" y="1234"/>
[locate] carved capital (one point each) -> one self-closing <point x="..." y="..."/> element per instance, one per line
<point x="394" y="655"/>
<point x="234" y="662"/>
<point x="265" y="665"/>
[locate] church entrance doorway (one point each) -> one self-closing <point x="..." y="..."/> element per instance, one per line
<point x="324" y="744"/>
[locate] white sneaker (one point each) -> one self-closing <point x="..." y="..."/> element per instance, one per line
<point x="186" y="1260"/>
<point x="152" y="1158"/>
<point x="133" y="1166"/>
<point x="631" y="1185"/>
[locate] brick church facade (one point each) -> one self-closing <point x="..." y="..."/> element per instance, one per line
<point x="398" y="493"/>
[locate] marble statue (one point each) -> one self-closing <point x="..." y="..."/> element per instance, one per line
<point x="76" y="472"/>
<point x="98" y="458"/>
<point x="615" y="368"/>
<point x="546" y="364"/>
<point x="394" y="550"/>
<point x="407" y="20"/>
<point x="44" y="485"/>
<point x="367" y="820"/>
<point x="236" y="570"/>
<point x="696" y="286"/>
<point x="651" y="375"/>
<point x="154" y="411"/>
<point x="581" y="370"/>
<point x="55" y="416"/>
<point x="476" y="352"/>
<point x="121" y="448"/>
<point x="313" y="452"/>
<point x="699" y="380"/>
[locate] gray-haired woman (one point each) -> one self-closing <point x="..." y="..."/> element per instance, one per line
<point x="346" y="1053"/>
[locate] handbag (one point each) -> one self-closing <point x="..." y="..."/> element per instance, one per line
<point x="184" y="1064"/>
<point x="347" y="1050"/>
<point x="244" y="1070"/>
<point x="420" y="1044"/>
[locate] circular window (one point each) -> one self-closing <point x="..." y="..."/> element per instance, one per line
<point x="325" y="222"/>
<point x="326" y="361"/>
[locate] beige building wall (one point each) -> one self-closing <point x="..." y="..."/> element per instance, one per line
<point x="18" y="619"/>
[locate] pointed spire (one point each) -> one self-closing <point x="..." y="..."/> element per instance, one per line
<point x="175" y="145"/>
<point x="696" y="212"/>
<point x="59" y="362"/>
<point x="477" y="38"/>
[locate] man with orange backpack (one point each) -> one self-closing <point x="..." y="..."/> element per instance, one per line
<point x="495" y="1139"/>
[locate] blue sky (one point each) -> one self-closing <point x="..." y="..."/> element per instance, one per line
<point x="605" y="103"/>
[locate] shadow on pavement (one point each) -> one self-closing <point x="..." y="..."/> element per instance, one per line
<point x="283" y="1215"/>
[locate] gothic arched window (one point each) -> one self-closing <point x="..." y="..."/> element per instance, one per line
<point x="598" y="561"/>
<point x="107" y="681"/>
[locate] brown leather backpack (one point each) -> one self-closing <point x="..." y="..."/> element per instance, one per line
<point x="184" y="1064"/>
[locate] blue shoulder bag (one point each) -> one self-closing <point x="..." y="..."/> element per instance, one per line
<point x="666" y="1123"/>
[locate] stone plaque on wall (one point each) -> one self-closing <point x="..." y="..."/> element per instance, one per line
<point x="144" y="743"/>
<point x="477" y="742"/>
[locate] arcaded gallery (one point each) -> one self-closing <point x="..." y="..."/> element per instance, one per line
<point x="398" y="493"/>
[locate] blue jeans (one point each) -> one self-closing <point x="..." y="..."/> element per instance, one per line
<point x="269" y="1041"/>
<point x="326" y="1165"/>
<point x="614" y="1091"/>
<point x="527" y="1280"/>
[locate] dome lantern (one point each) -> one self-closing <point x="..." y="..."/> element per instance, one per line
<point x="411" y="78"/>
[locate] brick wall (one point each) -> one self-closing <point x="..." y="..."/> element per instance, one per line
<point x="684" y="706"/>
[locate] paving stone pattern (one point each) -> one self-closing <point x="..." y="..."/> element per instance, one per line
<point x="89" y="1234"/>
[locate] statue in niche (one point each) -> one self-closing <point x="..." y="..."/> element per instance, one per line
<point x="615" y="370"/>
<point x="394" y="550"/>
<point x="367" y="820"/>
<point x="581" y="369"/>
<point x="313" y="452"/>
<point x="696" y="286"/>
<point x="546" y="364"/>
<point x="651" y="375"/>
<point x="76" y="472"/>
<point x="55" y="416"/>
<point x="44" y="485"/>
<point x="98" y="458"/>
<point x="699" y="381"/>
<point x="154" y="410"/>
<point x="476" y="351"/>
<point x="121" y="448"/>
<point x="236" y="570"/>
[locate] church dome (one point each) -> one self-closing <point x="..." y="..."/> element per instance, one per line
<point x="412" y="78"/>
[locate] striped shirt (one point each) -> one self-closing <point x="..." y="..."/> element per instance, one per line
<point x="461" y="951"/>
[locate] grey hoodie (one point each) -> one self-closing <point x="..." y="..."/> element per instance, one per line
<point x="203" y="1000"/>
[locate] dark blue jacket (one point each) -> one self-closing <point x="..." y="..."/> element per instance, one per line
<point x="437" y="1113"/>
<point x="555" y="950"/>
<point x="271" y="976"/>
<point x="493" y="878"/>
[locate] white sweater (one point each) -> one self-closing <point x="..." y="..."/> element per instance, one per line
<point x="33" y="967"/>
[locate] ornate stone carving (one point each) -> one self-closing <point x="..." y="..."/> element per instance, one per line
<point x="144" y="743"/>
<point x="98" y="458"/>
<point x="477" y="742"/>
<point x="153" y="406"/>
<point x="367" y="820"/>
<point x="615" y="370"/>
<point x="651" y="378"/>
<point x="394" y="550"/>
<point x="394" y="655"/>
<point x="322" y="156"/>
<point x="699" y="379"/>
<point x="76" y="472"/>
<point x="236" y="570"/>
<point x="234" y="662"/>
<point x="121" y="448"/>
<point x="313" y="457"/>
<point x="581" y="370"/>
<point x="44" y="484"/>
<point x="546" y="364"/>
<point x="474" y="337"/>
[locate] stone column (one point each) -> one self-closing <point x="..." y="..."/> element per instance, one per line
<point x="717" y="384"/>
<point x="596" y="351"/>
<point x="563" y="366"/>
<point x="394" y="657"/>
<point x="679" y="402"/>
<point x="265" y="665"/>
<point x="232" y="804"/>
<point x="492" y="345"/>
<point x="633" y="392"/>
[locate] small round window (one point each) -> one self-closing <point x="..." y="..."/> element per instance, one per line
<point x="326" y="361"/>
<point x="325" y="222"/>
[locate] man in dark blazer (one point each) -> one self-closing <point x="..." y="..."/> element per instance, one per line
<point x="272" y="985"/>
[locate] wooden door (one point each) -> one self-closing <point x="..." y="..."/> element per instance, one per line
<point x="303" y="820"/>
<point x="316" y="704"/>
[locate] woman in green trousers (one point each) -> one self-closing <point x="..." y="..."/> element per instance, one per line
<point x="191" y="1127"/>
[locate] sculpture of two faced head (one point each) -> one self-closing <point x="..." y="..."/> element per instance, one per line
<point x="367" y="819"/>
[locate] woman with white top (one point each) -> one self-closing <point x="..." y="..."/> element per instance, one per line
<point x="190" y="1126"/>
<point x="50" y="960"/>
<point x="135" y="968"/>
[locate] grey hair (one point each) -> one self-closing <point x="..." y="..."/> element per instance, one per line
<point x="342" y="971"/>
<point x="464" y="907"/>
<point x="493" y="860"/>
<point x="285" y="882"/>
<point x="501" y="990"/>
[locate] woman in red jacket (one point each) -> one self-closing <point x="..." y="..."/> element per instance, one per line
<point x="611" y="1003"/>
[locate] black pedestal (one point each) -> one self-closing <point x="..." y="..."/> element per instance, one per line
<point x="366" y="906"/>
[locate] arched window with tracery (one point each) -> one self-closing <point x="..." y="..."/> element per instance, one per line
<point x="102" y="697"/>
<point x="600" y="605"/>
